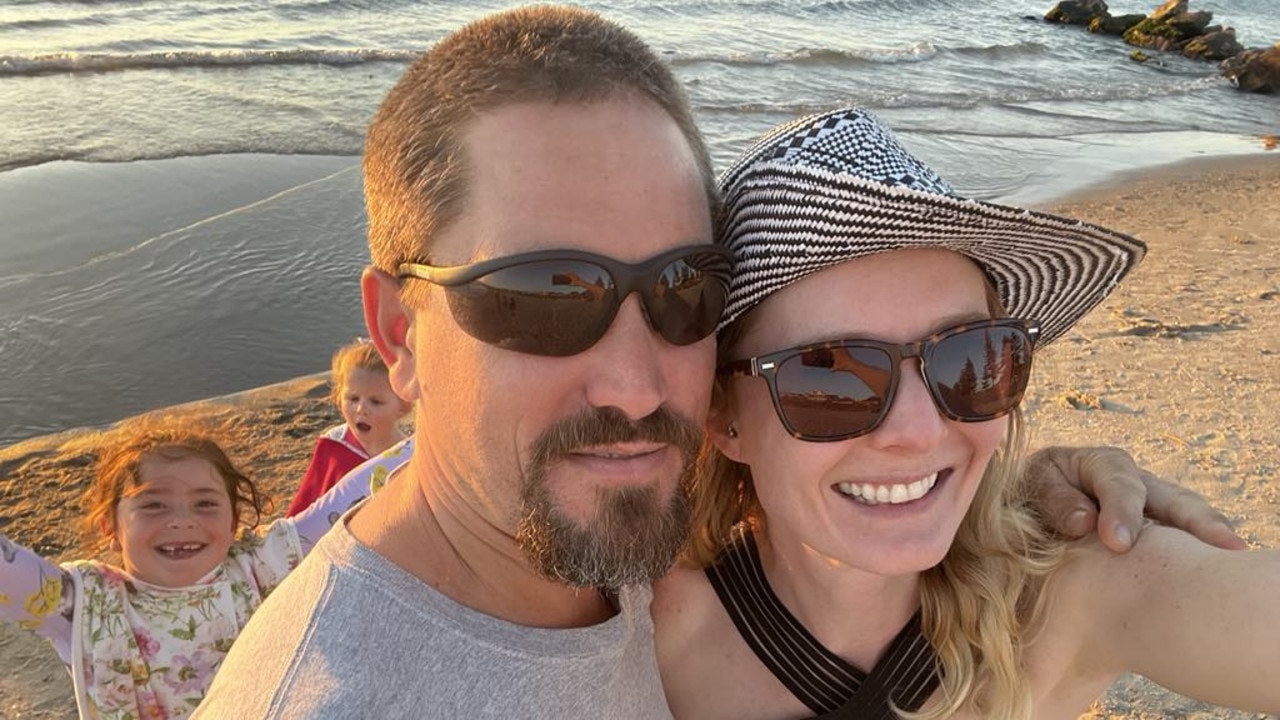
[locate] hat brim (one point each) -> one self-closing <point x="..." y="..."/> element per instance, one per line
<point x="785" y="222"/>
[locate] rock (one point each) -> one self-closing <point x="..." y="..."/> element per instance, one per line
<point x="1151" y="33"/>
<point x="1108" y="25"/>
<point x="1139" y="56"/>
<point x="1076" y="12"/>
<point x="1218" y="45"/>
<point x="1256" y="70"/>
<point x="1190" y="24"/>
<point x="1169" y="9"/>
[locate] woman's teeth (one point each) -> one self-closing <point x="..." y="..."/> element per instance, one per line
<point x="889" y="494"/>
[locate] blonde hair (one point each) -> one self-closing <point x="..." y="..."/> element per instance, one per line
<point x="170" y="438"/>
<point x="359" y="354"/>
<point x="978" y="606"/>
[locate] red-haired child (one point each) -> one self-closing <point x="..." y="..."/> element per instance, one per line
<point x="143" y="639"/>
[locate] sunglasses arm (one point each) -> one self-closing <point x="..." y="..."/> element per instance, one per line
<point x="747" y="367"/>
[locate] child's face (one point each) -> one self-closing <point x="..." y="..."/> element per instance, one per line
<point x="176" y="525"/>
<point x="369" y="406"/>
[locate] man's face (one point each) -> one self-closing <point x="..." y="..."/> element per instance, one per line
<point x="584" y="458"/>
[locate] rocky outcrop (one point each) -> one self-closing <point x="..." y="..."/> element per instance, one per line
<point x="1168" y="31"/>
<point x="1154" y="34"/>
<point x="1169" y="9"/>
<point x="1114" y="25"/>
<point x="1214" y="46"/>
<point x="1256" y="70"/>
<point x="1173" y="27"/>
<point x="1190" y="24"/>
<point x="1076" y="12"/>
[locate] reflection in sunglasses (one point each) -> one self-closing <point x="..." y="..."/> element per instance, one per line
<point x="561" y="302"/>
<point x="595" y="290"/>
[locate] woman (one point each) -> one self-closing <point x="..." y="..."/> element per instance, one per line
<point x="862" y="541"/>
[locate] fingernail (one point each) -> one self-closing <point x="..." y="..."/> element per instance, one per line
<point x="1124" y="535"/>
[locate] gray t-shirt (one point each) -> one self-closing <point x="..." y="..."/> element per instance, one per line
<point x="351" y="635"/>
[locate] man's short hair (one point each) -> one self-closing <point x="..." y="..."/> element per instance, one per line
<point x="414" y="173"/>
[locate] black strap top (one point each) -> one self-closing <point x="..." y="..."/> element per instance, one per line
<point x="831" y="687"/>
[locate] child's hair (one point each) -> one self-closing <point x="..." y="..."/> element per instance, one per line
<point x="357" y="354"/>
<point x="172" y="439"/>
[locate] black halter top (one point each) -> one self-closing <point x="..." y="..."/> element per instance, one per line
<point x="831" y="687"/>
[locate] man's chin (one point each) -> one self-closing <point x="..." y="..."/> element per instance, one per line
<point x="634" y="538"/>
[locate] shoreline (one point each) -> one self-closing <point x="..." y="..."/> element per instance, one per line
<point x="1187" y="170"/>
<point x="1178" y="366"/>
<point x="301" y="386"/>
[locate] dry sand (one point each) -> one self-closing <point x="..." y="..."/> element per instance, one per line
<point x="1181" y="366"/>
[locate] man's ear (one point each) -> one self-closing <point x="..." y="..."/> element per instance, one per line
<point x="390" y="326"/>
<point x="723" y="430"/>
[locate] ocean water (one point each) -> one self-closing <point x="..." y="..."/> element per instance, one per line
<point x="180" y="209"/>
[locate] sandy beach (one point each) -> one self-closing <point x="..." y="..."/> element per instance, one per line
<point x="1181" y="366"/>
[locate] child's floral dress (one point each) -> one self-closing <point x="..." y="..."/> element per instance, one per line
<point x="138" y="651"/>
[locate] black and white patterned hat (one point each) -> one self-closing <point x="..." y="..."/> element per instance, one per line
<point x="836" y="186"/>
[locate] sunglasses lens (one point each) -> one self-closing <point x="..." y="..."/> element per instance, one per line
<point x="980" y="373"/>
<point x="551" y="308"/>
<point x="834" y="392"/>
<point x="687" y="300"/>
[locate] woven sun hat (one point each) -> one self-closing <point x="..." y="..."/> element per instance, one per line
<point x="836" y="186"/>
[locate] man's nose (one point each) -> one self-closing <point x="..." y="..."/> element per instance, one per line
<point x="625" y="366"/>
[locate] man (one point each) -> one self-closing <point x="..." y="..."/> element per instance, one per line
<point x="563" y="375"/>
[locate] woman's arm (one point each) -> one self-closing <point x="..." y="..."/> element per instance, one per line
<point x="1198" y="620"/>
<point x="37" y="595"/>
<point x="313" y="522"/>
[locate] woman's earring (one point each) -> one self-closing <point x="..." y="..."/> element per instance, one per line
<point x="733" y="430"/>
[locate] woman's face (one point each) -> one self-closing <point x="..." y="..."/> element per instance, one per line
<point x="812" y="493"/>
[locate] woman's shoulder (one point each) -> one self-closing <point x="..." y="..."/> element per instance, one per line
<point x="681" y="593"/>
<point x="686" y="610"/>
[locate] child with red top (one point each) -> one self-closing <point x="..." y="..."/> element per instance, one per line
<point x="362" y="391"/>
